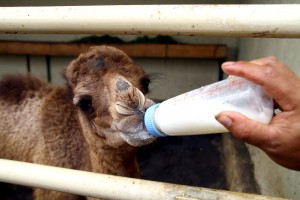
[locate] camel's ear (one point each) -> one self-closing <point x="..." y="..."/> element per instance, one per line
<point x="83" y="64"/>
<point x="73" y="72"/>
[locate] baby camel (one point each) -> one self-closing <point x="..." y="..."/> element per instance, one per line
<point x="93" y="124"/>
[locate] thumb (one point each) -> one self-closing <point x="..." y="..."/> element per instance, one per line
<point x="243" y="128"/>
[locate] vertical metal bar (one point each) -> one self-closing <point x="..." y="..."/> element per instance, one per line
<point x="220" y="71"/>
<point x="28" y="64"/>
<point x="48" y="67"/>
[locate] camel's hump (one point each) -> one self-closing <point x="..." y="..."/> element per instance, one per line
<point x="16" y="87"/>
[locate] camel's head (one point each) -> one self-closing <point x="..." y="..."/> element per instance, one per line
<point x="109" y="90"/>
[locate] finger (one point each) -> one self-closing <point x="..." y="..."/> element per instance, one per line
<point x="268" y="61"/>
<point x="244" y="128"/>
<point x="278" y="82"/>
<point x="268" y="66"/>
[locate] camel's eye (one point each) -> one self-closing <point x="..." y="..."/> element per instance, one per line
<point x="85" y="104"/>
<point x="145" y="81"/>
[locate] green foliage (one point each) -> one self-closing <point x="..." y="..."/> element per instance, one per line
<point x="107" y="39"/>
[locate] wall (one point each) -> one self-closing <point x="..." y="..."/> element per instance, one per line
<point x="273" y="179"/>
<point x="176" y="75"/>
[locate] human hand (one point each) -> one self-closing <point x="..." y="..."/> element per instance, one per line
<point x="281" y="138"/>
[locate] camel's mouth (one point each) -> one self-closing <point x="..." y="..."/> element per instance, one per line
<point x="138" y="138"/>
<point x="129" y="110"/>
<point x="132" y="130"/>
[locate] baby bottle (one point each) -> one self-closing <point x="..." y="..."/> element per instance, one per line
<point x="193" y="113"/>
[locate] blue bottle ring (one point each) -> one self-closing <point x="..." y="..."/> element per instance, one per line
<point x="149" y="122"/>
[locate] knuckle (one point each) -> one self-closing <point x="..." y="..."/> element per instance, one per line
<point x="271" y="60"/>
<point x="273" y="141"/>
<point x="241" y="70"/>
<point x="242" y="134"/>
<point x="270" y="73"/>
<point x="241" y="62"/>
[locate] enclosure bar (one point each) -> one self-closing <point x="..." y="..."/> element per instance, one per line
<point x="260" y="20"/>
<point x="205" y="51"/>
<point x="48" y="68"/>
<point x="107" y="186"/>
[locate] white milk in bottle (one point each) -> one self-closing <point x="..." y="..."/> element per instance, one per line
<point x="194" y="112"/>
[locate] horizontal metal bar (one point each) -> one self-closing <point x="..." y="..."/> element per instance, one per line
<point x="107" y="186"/>
<point x="261" y="20"/>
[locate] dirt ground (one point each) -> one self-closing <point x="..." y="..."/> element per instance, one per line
<point x="189" y="160"/>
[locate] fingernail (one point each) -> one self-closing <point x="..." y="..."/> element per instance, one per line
<point x="228" y="63"/>
<point x="224" y="120"/>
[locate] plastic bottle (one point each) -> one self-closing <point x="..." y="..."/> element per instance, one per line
<point x="193" y="113"/>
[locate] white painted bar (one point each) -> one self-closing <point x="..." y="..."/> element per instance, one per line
<point x="107" y="186"/>
<point x="261" y="20"/>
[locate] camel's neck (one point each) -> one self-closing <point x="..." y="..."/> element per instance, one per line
<point x="109" y="160"/>
<point x="117" y="161"/>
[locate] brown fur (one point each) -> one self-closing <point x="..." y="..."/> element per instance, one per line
<point x="15" y="88"/>
<point x="39" y="122"/>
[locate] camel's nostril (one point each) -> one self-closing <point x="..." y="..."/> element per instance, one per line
<point x="123" y="109"/>
<point x="141" y="99"/>
<point x="122" y="85"/>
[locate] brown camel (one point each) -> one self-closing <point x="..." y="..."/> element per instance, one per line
<point x="93" y="124"/>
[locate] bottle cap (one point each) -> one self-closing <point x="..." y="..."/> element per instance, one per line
<point x="149" y="122"/>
